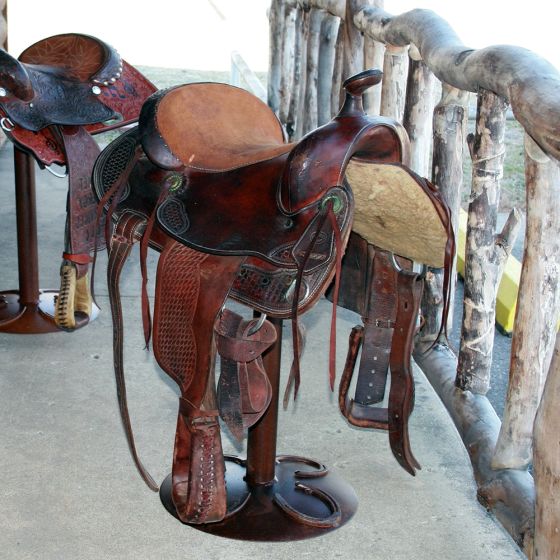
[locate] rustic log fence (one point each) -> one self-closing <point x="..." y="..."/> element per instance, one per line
<point x="315" y="44"/>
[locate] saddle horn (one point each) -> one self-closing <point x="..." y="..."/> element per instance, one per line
<point x="355" y="86"/>
<point x="14" y="78"/>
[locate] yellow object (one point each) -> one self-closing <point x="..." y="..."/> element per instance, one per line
<point x="506" y="300"/>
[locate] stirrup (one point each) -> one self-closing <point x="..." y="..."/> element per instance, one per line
<point x="74" y="297"/>
<point x="360" y="415"/>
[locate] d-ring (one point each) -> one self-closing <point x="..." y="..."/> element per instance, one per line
<point x="3" y="122"/>
<point x="50" y="170"/>
<point x="257" y="325"/>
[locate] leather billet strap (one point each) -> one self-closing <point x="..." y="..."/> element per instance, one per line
<point x="379" y="320"/>
<point x="81" y="152"/>
<point x="397" y="336"/>
<point x="244" y="391"/>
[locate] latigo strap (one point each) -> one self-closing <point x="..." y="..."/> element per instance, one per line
<point x="79" y="235"/>
<point x="388" y="332"/>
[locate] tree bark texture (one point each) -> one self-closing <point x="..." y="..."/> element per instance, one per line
<point x="528" y="82"/>
<point x="546" y="463"/>
<point x="310" y="111"/>
<point x="336" y="97"/>
<point x="374" y="54"/>
<point x="327" y="54"/>
<point x="288" y="59"/>
<point x="449" y="132"/>
<point x="484" y="258"/>
<point x="536" y="316"/>
<point x="294" y="121"/>
<point x="353" y="40"/>
<point x="275" y="20"/>
<point x="418" y="115"/>
<point x="393" y="86"/>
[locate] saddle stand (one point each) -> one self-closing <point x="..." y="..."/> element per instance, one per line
<point x="58" y="93"/>
<point x="276" y="497"/>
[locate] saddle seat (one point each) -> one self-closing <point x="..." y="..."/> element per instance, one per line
<point x="56" y="81"/>
<point x="238" y="130"/>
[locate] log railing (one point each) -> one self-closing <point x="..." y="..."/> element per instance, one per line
<point x="317" y="43"/>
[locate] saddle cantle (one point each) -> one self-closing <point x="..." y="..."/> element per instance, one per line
<point x="207" y="179"/>
<point x="52" y="98"/>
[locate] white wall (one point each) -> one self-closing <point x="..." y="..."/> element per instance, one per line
<point x="195" y="34"/>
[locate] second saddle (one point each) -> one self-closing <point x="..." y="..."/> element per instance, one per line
<point x="208" y="180"/>
<point x="59" y="92"/>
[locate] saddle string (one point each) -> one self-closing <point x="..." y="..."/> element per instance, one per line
<point x="110" y="199"/>
<point x="291" y="376"/>
<point x="338" y="270"/>
<point x="295" y="372"/>
<point x="450" y="249"/>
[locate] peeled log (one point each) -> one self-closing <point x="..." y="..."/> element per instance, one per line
<point x="528" y="82"/>
<point x="353" y="41"/>
<point x="507" y="493"/>
<point x="310" y="112"/>
<point x="538" y="304"/>
<point x="374" y="53"/>
<point x="327" y="56"/>
<point x="418" y="113"/>
<point x="275" y="18"/>
<point x="293" y="123"/>
<point x="546" y="463"/>
<point x="288" y="57"/>
<point x="449" y="130"/>
<point x="484" y="258"/>
<point x="393" y="86"/>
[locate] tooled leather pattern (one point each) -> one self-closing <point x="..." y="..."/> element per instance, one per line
<point x="174" y="339"/>
<point x="56" y="101"/>
<point x="270" y="289"/>
<point x="82" y="57"/>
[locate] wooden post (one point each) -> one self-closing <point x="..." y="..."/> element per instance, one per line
<point x="327" y="56"/>
<point x="546" y="466"/>
<point x="537" y="311"/>
<point x="310" y="111"/>
<point x="294" y="125"/>
<point x="418" y="111"/>
<point x="336" y="92"/>
<point x="288" y="58"/>
<point x="449" y="129"/>
<point x="374" y="53"/>
<point x="393" y="88"/>
<point x="353" y="40"/>
<point x="275" y="19"/>
<point x="485" y="254"/>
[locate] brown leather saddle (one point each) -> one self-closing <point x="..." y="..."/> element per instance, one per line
<point x="59" y="92"/>
<point x="208" y="180"/>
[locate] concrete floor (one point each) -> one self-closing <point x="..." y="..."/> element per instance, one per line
<point x="69" y="488"/>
